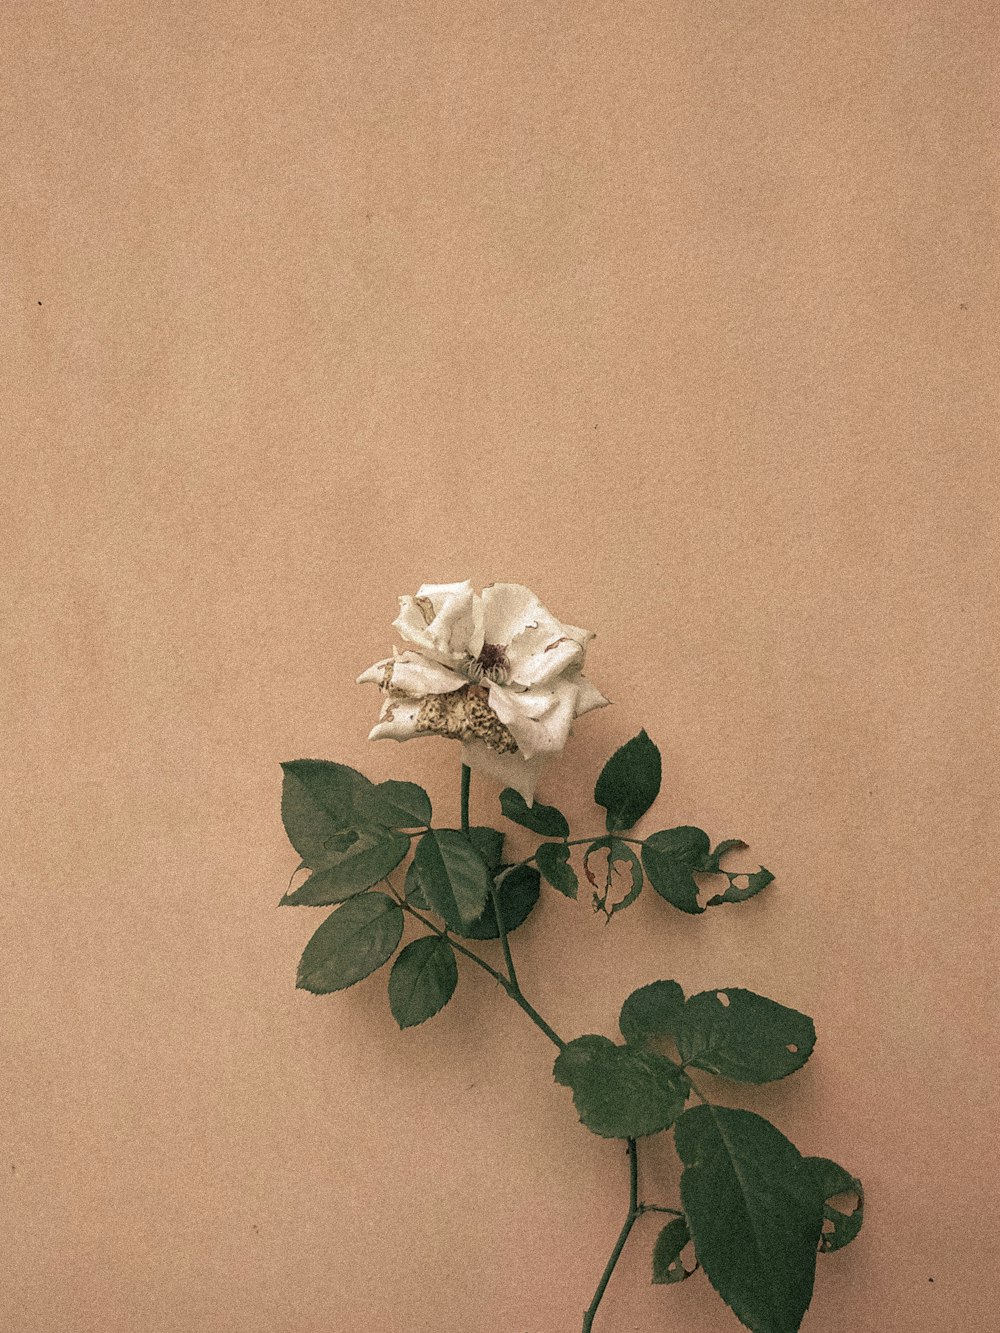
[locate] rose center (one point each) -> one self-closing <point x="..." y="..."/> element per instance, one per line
<point x="491" y="664"/>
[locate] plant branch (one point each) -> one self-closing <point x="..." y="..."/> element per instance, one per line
<point x="466" y="783"/>
<point x="501" y="928"/>
<point x="634" y="1210"/>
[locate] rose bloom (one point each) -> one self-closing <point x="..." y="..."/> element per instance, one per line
<point x="494" y="670"/>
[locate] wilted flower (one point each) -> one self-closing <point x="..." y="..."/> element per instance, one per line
<point x="493" y="670"/>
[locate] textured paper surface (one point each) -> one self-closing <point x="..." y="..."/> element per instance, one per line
<point x="682" y="314"/>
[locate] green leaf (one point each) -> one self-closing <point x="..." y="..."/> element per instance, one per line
<point x="413" y="890"/>
<point x="553" y="862"/>
<point x="621" y="859"/>
<point x="839" y="1229"/>
<point x="320" y="801"/>
<point x="711" y="862"/>
<point x="620" y="1092"/>
<point x="754" y="1211"/>
<point x="453" y="875"/>
<point x="543" y="819"/>
<point x="669" y="858"/>
<point x="760" y="879"/>
<point x="667" y="1263"/>
<point x="651" y="1011"/>
<point x="368" y="856"/>
<point x="351" y="943"/>
<point x="629" y="782"/>
<point x="488" y="842"/>
<point x="422" y="980"/>
<point x="743" y="1036"/>
<point x="517" y="892"/>
<point x="403" y="804"/>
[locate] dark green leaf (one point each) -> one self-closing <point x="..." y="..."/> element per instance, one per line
<point x="686" y="845"/>
<point x="422" y="980"/>
<point x="670" y="858"/>
<point x="517" y="892"/>
<point x="320" y="801"/>
<point x="839" y="1229"/>
<point x="553" y="862"/>
<point x="754" y="1211"/>
<point x="629" y="782"/>
<point x="711" y="862"/>
<point x="543" y="819"/>
<point x="760" y="879"/>
<point x="413" y="890"/>
<point x="651" y="1011"/>
<point x="743" y="1036"/>
<point x="403" y="804"/>
<point x="488" y="842"/>
<point x="622" y="862"/>
<point x="369" y="855"/>
<point x="618" y="1091"/>
<point x="340" y="842"/>
<point x="667" y="1263"/>
<point x="454" y="877"/>
<point x="351" y="943"/>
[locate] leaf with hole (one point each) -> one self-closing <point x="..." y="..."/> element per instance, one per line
<point x="320" y="802"/>
<point x="754" y="1211"/>
<point x="629" y="782"/>
<point x="422" y="980"/>
<point x="366" y="857"/>
<point x="668" y="1266"/>
<point x="743" y="1036"/>
<point x="552" y="859"/>
<point x="545" y="820"/>
<point x="621" y="1092"/>
<point x="839" y="1228"/>
<point x="670" y="859"/>
<point x="454" y="877"/>
<point x="711" y="861"/>
<point x="652" y="1011"/>
<point x="352" y="942"/>
<point x="755" y="882"/>
<point x="402" y="804"/>
<point x="623" y="873"/>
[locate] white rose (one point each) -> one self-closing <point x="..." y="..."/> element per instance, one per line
<point x="494" y="670"/>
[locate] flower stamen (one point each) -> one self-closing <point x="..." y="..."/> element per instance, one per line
<point x="492" y="664"/>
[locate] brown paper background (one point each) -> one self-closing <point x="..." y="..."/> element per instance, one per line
<point x="680" y="313"/>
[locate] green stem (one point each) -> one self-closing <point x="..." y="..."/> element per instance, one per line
<point x="514" y="991"/>
<point x="501" y="928"/>
<point x="508" y="957"/>
<point x="443" y="934"/>
<point x="578" y="842"/>
<point x="466" y="783"/>
<point x="634" y="1210"/>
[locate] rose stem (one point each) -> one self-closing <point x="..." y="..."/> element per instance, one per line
<point x="634" y="1211"/>
<point x="511" y="974"/>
